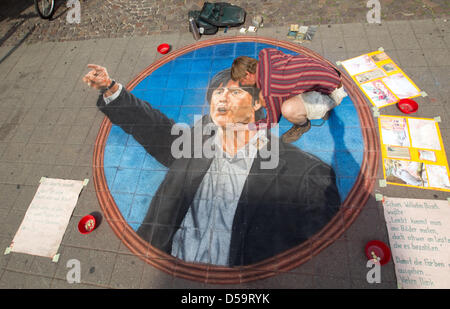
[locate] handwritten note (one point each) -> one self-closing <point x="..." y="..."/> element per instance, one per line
<point x="47" y="217"/>
<point x="419" y="235"/>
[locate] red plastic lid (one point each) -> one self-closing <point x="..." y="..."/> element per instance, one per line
<point x="164" y="48"/>
<point x="376" y="248"/>
<point x="86" y="224"/>
<point x="407" y="106"/>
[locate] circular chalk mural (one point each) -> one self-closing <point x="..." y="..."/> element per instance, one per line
<point x="226" y="220"/>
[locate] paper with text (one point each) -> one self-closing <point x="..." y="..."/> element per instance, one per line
<point x="419" y="236"/>
<point x="47" y="217"/>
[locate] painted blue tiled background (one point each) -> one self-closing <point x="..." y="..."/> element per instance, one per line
<point x="178" y="89"/>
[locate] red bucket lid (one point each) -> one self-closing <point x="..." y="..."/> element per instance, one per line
<point x="163" y="48"/>
<point x="87" y="224"/>
<point x="407" y="106"/>
<point x="376" y="248"/>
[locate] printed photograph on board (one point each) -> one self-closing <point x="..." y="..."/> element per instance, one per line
<point x="368" y="76"/>
<point x="380" y="57"/>
<point x="394" y="131"/>
<point x="405" y="172"/>
<point x="378" y="93"/>
<point x="390" y="67"/>
<point x="398" y="152"/>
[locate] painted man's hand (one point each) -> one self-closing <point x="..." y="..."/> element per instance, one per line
<point x="97" y="78"/>
<point x="237" y="127"/>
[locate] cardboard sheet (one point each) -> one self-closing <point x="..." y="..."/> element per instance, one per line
<point x="381" y="80"/>
<point x="46" y="219"/>
<point x="419" y="236"/>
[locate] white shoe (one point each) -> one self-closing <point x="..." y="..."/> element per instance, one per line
<point x="338" y="95"/>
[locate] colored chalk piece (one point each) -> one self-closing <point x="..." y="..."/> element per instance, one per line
<point x="42" y="180"/>
<point x="85" y="182"/>
<point x="382" y="182"/>
<point x="7" y="251"/>
<point x="438" y="119"/>
<point x="381" y="49"/>
<point x="338" y="63"/>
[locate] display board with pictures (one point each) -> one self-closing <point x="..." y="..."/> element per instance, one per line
<point x="413" y="153"/>
<point x="380" y="78"/>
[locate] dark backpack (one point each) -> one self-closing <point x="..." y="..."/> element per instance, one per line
<point x="204" y="28"/>
<point x="222" y="14"/>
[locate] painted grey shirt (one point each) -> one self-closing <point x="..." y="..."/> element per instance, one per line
<point x="205" y="233"/>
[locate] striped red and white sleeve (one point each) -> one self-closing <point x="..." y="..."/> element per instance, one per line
<point x="286" y="75"/>
<point x="264" y="68"/>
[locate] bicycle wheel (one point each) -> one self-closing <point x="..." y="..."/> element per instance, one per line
<point x="45" y="8"/>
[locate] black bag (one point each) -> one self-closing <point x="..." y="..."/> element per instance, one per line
<point x="222" y="14"/>
<point x="203" y="27"/>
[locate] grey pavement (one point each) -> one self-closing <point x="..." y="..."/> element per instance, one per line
<point x="49" y="123"/>
<point x="125" y="18"/>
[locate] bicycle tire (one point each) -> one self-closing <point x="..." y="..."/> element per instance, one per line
<point x="43" y="12"/>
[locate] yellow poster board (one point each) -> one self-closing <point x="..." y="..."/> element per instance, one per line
<point x="380" y="78"/>
<point x="413" y="153"/>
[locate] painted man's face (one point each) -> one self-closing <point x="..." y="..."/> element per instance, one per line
<point x="230" y="104"/>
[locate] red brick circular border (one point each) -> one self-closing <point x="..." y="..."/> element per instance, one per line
<point x="283" y="262"/>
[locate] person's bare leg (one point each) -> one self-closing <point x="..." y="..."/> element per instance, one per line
<point x="294" y="111"/>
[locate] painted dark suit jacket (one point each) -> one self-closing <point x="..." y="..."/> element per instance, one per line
<point x="278" y="209"/>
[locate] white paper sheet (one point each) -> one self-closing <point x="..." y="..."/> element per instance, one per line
<point x="438" y="176"/>
<point x="46" y="219"/>
<point x="419" y="237"/>
<point x="427" y="155"/>
<point x="359" y="64"/>
<point x="401" y="86"/>
<point x="424" y="134"/>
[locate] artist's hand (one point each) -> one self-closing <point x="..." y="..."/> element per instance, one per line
<point x="262" y="101"/>
<point x="97" y="78"/>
